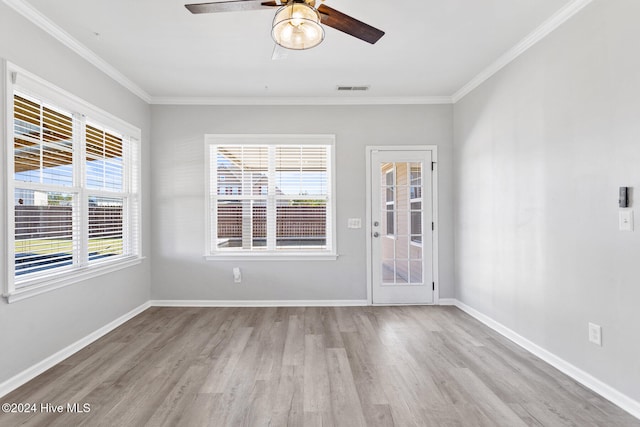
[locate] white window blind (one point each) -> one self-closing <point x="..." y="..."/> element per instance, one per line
<point x="74" y="187"/>
<point x="271" y="198"/>
<point x="44" y="232"/>
<point x="104" y="158"/>
<point x="43" y="138"/>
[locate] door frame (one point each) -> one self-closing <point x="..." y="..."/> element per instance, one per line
<point x="434" y="195"/>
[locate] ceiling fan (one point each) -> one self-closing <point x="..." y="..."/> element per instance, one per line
<point x="296" y="24"/>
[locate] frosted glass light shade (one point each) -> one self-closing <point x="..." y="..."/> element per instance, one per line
<point x="297" y="26"/>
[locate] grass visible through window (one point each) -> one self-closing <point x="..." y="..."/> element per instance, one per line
<point x="111" y="246"/>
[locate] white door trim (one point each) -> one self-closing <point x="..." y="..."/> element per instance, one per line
<point x="434" y="194"/>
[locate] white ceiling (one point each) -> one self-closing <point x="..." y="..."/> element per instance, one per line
<point x="431" y="47"/>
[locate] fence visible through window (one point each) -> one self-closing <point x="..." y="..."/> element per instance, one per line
<point x="44" y="235"/>
<point x="271" y="197"/>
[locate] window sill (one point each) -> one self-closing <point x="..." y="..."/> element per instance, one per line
<point x="39" y="286"/>
<point x="272" y="257"/>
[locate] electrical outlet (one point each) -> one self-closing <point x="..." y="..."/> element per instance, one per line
<point x="237" y="276"/>
<point x="354" y="223"/>
<point x="595" y="334"/>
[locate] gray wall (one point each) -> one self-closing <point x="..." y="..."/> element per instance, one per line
<point x="539" y="152"/>
<point x="178" y="241"/>
<point x="35" y="328"/>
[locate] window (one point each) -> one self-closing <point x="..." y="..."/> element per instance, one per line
<point x="270" y="196"/>
<point x="390" y="202"/>
<point x="415" y="202"/>
<point x="402" y="204"/>
<point x="73" y="189"/>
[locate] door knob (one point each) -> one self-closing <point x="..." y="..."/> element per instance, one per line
<point x="376" y="234"/>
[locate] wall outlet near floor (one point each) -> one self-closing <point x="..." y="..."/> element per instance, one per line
<point x="595" y="334"/>
<point x="237" y="276"/>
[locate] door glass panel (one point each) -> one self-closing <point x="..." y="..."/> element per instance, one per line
<point x="416" y="222"/>
<point x="389" y="198"/>
<point x="401" y="211"/>
<point x="402" y="271"/>
<point x="391" y="219"/>
<point x="416" y="271"/>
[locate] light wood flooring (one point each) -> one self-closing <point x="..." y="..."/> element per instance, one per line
<point x="345" y="366"/>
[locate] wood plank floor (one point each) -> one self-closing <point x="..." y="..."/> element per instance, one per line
<point x="321" y="366"/>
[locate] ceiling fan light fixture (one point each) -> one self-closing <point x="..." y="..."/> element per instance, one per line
<point x="297" y="26"/>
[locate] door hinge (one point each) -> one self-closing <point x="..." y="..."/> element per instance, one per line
<point x="432" y="165"/>
<point x="433" y="226"/>
<point x="433" y="286"/>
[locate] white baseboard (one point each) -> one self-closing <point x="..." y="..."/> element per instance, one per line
<point x="447" y="301"/>
<point x="37" y="369"/>
<point x="258" y="303"/>
<point x="622" y="400"/>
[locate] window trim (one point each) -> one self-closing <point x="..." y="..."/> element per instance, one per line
<point x="210" y="252"/>
<point x="14" y="79"/>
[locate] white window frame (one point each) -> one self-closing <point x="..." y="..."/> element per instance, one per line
<point x="18" y="79"/>
<point x="211" y="252"/>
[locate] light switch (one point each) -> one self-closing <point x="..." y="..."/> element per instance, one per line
<point x="354" y="223"/>
<point x="625" y="219"/>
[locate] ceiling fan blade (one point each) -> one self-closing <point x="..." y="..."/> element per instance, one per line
<point x="349" y="25"/>
<point x="230" y="6"/>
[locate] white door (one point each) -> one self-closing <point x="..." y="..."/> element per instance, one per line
<point x="401" y="227"/>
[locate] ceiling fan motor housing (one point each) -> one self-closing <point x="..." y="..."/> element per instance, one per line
<point x="297" y="26"/>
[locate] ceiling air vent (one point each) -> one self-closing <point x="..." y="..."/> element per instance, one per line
<point x="352" y="88"/>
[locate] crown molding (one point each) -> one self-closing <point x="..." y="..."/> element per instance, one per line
<point x="45" y="24"/>
<point x="383" y="100"/>
<point x="557" y="19"/>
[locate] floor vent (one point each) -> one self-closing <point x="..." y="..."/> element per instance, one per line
<point x="352" y="88"/>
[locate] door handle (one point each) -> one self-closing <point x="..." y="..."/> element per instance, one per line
<point x="376" y="234"/>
